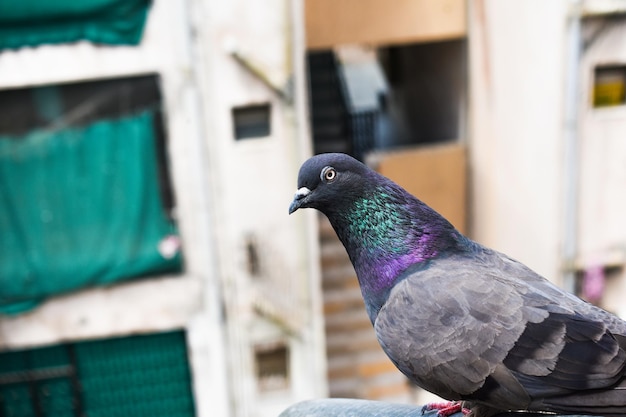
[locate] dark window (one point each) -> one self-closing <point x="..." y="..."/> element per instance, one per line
<point x="272" y="367"/>
<point x="330" y="118"/>
<point x="398" y="96"/>
<point x="251" y="121"/>
<point x="609" y="86"/>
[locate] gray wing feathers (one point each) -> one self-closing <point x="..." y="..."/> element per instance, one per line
<point x="490" y="327"/>
<point x="437" y="323"/>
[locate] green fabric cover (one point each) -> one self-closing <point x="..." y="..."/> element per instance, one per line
<point x="36" y="22"/>
<point x="78" y="208"/>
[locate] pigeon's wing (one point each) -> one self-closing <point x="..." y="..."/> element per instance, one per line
<point x="574" y="360"/>
<point x="488" y="328"/>
<point x="449" y="329"/>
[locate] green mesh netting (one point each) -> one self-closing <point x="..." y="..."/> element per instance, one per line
<point x="36" y="22"/>
<point x="132" y="376"/>
<point x="79" y="207"/>
<point x="138" y="376"/>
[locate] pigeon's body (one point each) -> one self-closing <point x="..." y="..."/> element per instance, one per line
<point x="482" y="327"/>
<point x="461" y="320"/>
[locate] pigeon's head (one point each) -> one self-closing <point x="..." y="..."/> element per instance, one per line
<point x="384" y="229"/>
<point x="327" y="180"/>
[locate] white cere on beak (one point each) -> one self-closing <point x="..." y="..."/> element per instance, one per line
<point x="302" y="192"/>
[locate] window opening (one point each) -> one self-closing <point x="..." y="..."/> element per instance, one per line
<point x="609" y="86"/>
<point x="251" y="121"/>
<point x="272" y="366"/>
<point x="86" y="193"/>
<point x="392" y="97"/>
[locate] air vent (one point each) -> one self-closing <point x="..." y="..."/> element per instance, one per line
<point x="251" y="121"/>
<point x="272" y="367"/>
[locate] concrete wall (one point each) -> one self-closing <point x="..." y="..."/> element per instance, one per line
<point x="255" y="180"/>
<point x="518" y="75"/>
<point x="517" y="60"/>
<point x="601" y="221"/>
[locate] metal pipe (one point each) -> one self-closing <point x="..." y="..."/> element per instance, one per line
<point x="571" y="145"/>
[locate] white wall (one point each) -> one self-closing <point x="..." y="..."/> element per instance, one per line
<point x="255" y="180"/>
<point x="518" y="75"/>
<point x="517" y="59"/>
<point x="602" y="201"/>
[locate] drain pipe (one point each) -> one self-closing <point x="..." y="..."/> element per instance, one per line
<point x="571" y="145"/>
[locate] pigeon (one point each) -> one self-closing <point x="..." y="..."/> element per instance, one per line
<point x="460" y="320"/>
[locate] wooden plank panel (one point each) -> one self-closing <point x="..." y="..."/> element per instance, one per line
<point x="380" y="22"/>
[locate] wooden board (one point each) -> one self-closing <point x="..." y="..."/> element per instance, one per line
<point x="381" y="22"/>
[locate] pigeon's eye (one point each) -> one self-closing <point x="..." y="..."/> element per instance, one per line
<point x="328" y="174"/>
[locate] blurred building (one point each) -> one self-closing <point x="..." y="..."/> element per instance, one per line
<point x="148" y="152"/>
<point x="547" y="107"/>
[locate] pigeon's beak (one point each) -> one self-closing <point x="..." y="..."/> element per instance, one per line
<point x="299" y="199"/>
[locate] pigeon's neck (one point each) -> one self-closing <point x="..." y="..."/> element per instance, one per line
<point x="385" y="232"/>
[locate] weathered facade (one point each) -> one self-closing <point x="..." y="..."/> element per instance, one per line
<point x="247" y="299"/>
<point x="546" y="168"/>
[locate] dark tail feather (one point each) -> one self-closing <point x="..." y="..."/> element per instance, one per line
<point x="609" y="403"/>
